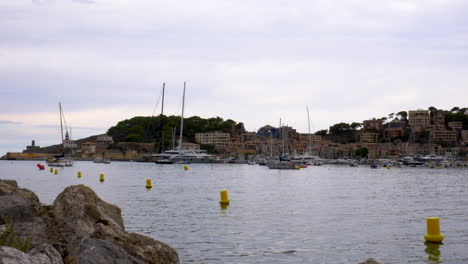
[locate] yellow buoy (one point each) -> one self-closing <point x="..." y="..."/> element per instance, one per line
<point x="441" y="167"/>
<point x="388" y="167"/>
<point x="224" y="197"/>
<point x="101" y="177"/>
<point x="79" y="174"/>
<point x="433" y="230"/>
<point x="56" y="172"/>
<point x="186" y="168"/>
<point x="51" y="169"/>
<point x="148" y="184"/>
<point x="298" y="167"/>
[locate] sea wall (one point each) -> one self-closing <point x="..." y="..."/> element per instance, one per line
<point x="78" y="227"/>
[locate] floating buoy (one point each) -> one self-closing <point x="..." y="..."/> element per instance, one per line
<point x="51" y="169"/>
<point x="41" y="167"/>
<point x="388" y="167"/>
<point x="433" y="230"/>
<point x="148" y="184"/>
<point x="79" y="174"/>
<point x="441" y="167"/>
<point x="56" y="172"/>
<point x="186" y="168"/>
<point x="101" y="177"/>
<point x="224" y="197"/>
<point x="298" y="167"/>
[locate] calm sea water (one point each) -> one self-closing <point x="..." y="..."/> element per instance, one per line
<point x="329" y="214"/>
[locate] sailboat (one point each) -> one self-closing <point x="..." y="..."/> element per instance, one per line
<point x="60" y="160"/>
<point x="284" y="162"/>
<point x="180" y="155"/>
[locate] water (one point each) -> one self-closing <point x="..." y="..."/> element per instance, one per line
<point x="333" y="214"/>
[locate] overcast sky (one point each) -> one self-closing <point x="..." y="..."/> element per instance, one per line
<point x="250" y="61"/>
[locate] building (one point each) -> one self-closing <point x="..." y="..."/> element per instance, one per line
<point x="419" y="119"/>
<point x="390" y="133"/>
<point x="68" y="143"/>
<point x="397" y="124"/>
<point x="455" y="125"/>
<point x="190" y="146"/>
<point x="376" y="124"/>
<point x="464" y="136"/>
<point x="213" y="138"/>
<point x="438" y="119"/>
<point x="368" y="137"/>
<point x="138" y="147"/>
<point x="33" y="148"/>
<point x="88" y="147"/>
<point x="444" y="135"/>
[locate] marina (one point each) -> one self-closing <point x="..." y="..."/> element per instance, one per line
<point x="322" y="214"/>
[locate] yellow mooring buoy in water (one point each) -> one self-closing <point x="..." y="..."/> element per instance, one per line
<point x="51" y="169"/>
<point x="186" y="168"/>
<point x="56" y="172"/>
<point x="433" y="230"/>
<point x="224" y="197"/>
<point x="298" y="167"/>
<point x="101" y="177"/>
<point x="388" y="167"/>
<point x="79" y="174"/>
<point x="148" y="184"/>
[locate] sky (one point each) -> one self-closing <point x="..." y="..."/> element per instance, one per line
<point x="251" y="61"/>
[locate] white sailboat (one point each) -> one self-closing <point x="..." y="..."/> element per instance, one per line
<point x="180" y="155"/>
<point x="60" y="160"/>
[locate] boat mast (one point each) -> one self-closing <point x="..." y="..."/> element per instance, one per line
<point x="161" y="147"/>
<point x="182" y="121"/>
<point x="308" y="122"/>
<point x="61" y="125"/>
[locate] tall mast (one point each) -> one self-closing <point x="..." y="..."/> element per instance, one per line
<point x="182" y="121"/>
<point x="308" y="122"/>
<point x="61" y="125"/>
<point x="161" y="119"/>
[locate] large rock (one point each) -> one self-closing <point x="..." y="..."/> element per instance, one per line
<point x="98" y="251"/>
<point x="77" y="215"/>
<point x="42" y="254"/>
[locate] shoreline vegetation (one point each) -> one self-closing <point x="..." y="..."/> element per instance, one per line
<point x="78" y="228"/>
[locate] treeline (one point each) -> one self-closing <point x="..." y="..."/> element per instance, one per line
<point x="148" y="129"/>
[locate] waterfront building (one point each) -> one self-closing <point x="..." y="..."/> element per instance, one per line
<point x="33" y="148"/>
<point x="390" y="133"/>
<point x="456" y="125"/>
<point x="215" y="138"/>
<point x="70" y="144"/>
<point x="419" y="119"/>
<point x="88" y="147"/>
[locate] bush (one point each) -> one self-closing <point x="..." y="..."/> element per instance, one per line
<point x="10" y="239"/>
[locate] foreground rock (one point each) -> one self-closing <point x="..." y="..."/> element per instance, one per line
<point x="78" y="226"/>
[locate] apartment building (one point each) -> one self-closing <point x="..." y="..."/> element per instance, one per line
<point x="213" y="138"/>
<point x="373" y="124"/>
<point x="419" y="119"/>
<point x="368" y="137"/>
<point x="455" y="125"/>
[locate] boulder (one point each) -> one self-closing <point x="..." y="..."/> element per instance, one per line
<point x="45" y="254"/>
<point x="42" y="254"/>
<point x="98" y="251"/>
<point x="77" y="222"/>
<point x="9" y="255"/>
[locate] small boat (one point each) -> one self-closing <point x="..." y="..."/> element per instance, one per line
<point x="164" y="161"/>
<point x="251" y="162"/>
<point x="102" y="160"/>
<point x="375" y="165"/>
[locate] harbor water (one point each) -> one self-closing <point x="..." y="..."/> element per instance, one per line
<point x="326" y="214"/>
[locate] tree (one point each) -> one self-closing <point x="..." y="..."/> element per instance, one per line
<point x="403" y="115"/>
<point x="340" y="129"/>
<point x="355" y="125"/>
<point x="362" y="152"/>
<point x="321" y="132"/>
<point x="455" y="109"/>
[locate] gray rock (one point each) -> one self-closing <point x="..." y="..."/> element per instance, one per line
<point x="45" y="254"/>
<point x="9" y="255"/>
<point x="97" y="251"/>
<point x="17" y="204"/>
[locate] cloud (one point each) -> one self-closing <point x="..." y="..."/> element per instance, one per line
<point x="7" y="122"/>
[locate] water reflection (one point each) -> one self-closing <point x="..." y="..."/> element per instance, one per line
<point x="433" y="252"/>
<point x="223" y="206"/>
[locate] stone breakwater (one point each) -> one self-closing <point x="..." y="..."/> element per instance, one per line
<point x="78" y="228"/>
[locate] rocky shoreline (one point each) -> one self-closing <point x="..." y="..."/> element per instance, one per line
<point x="78" y="227"/>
